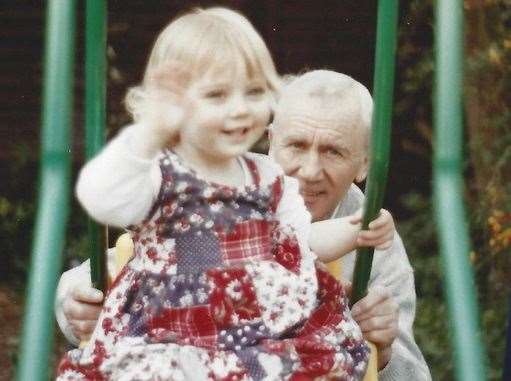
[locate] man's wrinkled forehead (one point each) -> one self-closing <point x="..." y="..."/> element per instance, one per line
<point x="299" y="124"/>
<point x="327" y="117"/>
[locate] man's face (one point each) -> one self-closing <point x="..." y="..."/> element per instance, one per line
<point x="324" y="150"/>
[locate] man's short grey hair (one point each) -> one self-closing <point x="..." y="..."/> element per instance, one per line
<point x="330" y="88"/>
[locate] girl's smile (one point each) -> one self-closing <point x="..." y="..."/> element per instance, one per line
<point x="237" y="134"/>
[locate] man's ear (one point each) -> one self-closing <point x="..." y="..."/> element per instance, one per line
<point x="362" y="171"/>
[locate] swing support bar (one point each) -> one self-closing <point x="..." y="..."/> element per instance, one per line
<point x="95" y="115"/>
<point x="386" y="36"/>
<point x="53" y="200"/>
<point x="448" y="192"/>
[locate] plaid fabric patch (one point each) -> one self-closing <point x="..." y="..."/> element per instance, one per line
<point x="248" y="240"/>
<point x="192" y="325"/>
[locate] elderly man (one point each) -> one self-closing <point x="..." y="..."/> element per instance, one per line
<point x="319" y="136"/>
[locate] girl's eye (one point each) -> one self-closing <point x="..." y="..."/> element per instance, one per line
<point x="216" y="94"/>
<point x="256" y="91"/>
<point x="297" y="145"/>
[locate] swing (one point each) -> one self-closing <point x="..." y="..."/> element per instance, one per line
<point x="55" y="167"/>
<point x="447" y="190"/>
<point x="384" y="78"/>
<point x="61" y="23"/>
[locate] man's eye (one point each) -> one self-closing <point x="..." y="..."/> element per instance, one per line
<point x="334" y="152"/>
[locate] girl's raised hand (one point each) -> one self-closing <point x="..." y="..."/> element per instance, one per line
<point x="381" y="231"/>
<point x="170" y="80"/>
<point x="164" y="108"/>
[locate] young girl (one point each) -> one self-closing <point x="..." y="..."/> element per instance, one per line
<point x="222" y="285"/>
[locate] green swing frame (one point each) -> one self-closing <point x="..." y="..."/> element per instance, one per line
<point x="54" y="191"/>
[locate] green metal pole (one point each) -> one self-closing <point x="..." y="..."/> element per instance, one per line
<point x="448" y="192"/>
<point x="53" y="202"/>
<point x="386" y="37"/>
<point x="95" y="95"/>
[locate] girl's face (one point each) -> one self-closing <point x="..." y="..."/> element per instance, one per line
<point x="226" y="113"/>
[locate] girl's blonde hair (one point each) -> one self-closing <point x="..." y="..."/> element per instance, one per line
<point x="199" y="40"/>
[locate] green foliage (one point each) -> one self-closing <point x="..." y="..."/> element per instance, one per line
<point x="431" y="328"/>
<point x="16" y="213"/>
<point x="431" y="322"/>
<point x="488" y="178"/>
<point x="18" y="198"/>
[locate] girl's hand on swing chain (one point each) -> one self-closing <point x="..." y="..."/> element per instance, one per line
<point x="381" y="231"/>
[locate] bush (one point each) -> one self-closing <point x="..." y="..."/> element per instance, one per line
<point x="488" y="185"/>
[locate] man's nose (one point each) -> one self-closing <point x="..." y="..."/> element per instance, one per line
<point x="310" y="167"/>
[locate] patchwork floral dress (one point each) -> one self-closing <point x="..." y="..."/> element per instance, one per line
<point x="220" y="288"/>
